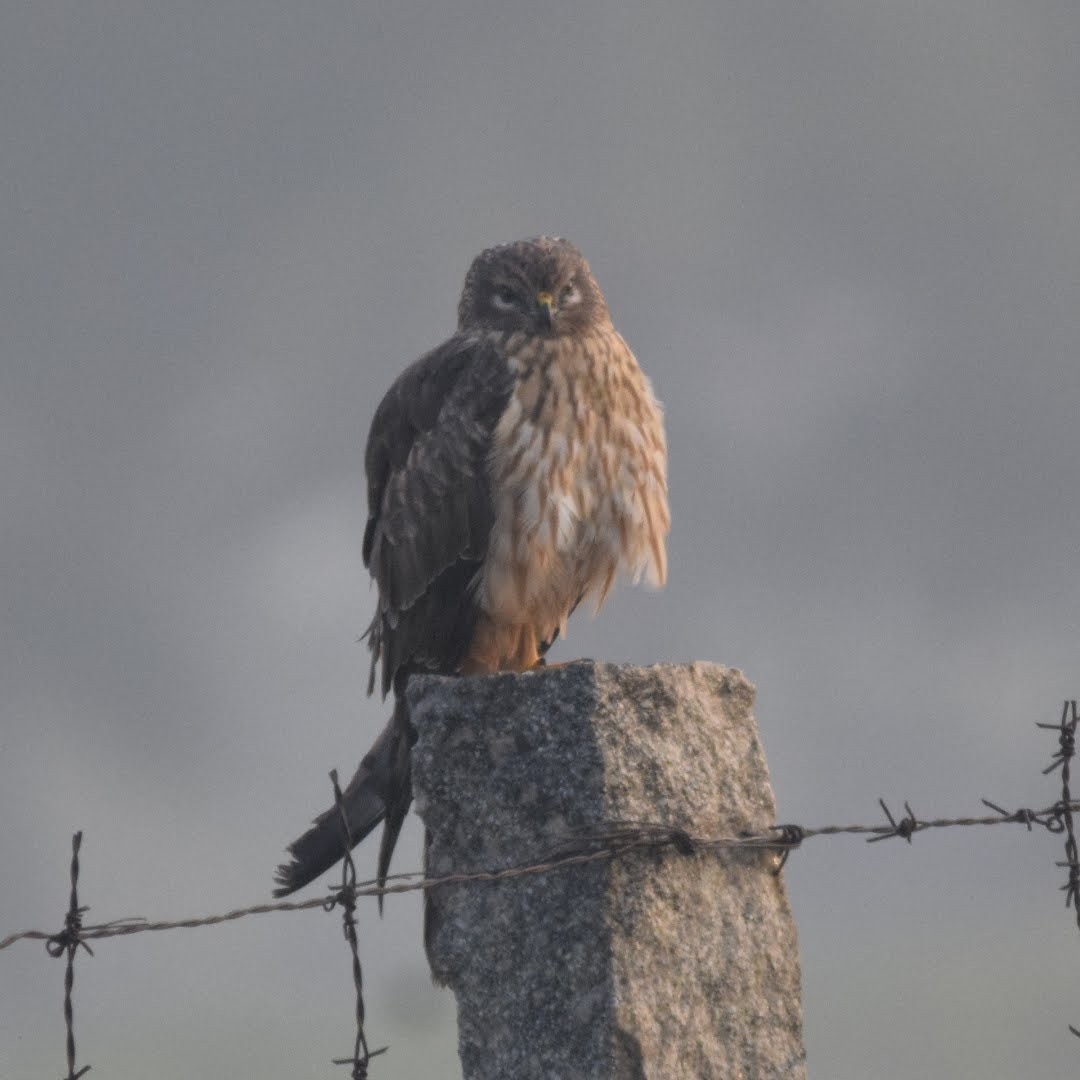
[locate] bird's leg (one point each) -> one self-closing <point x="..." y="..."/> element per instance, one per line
<point x="527" y="655"/>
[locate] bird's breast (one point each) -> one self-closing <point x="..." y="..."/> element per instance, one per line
<point x="578" y="478"/>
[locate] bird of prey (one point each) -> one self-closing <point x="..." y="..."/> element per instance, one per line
<point x="512" y="473"/>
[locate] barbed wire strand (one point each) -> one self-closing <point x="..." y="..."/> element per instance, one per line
<point x="634" y="836"/>
<point x="346" y="898"/>
<point x="68" y="942"/>
<point x="1062" y="760"/>
<point x="584" y="846"/>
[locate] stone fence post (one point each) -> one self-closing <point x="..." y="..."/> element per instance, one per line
<point x="653" y="965"/>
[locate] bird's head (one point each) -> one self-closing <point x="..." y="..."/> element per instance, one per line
<point x="538" y="286"/>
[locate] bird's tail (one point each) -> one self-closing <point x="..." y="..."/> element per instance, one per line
<point x="380" y="790"/>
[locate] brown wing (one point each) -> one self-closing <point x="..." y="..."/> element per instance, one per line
<point x="429" y="504"/>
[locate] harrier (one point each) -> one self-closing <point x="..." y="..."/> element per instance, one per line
<point x="513" y="472"/>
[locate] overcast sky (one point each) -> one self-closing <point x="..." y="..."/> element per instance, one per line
<point x="844" y="241"/>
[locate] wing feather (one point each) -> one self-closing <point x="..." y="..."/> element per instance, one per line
<point x="429" y="503"/>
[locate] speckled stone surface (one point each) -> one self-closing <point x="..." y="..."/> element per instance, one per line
<point x="652" y="966"/>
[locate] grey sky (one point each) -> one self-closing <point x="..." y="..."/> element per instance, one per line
<point x="844" y="241"/>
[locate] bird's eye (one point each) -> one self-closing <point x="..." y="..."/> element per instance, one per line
<point x="570" y="294"/>
<point x="503" y="298"/>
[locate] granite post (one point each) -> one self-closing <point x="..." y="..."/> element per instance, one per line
<point x="654" y="965"/>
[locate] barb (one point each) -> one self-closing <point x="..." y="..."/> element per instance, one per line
<point x="906" y="827"/>
<point x="1028" y="817"/>
<point x="68" y="942"/>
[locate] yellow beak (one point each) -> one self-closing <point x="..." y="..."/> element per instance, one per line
<point x="546" y="303"/>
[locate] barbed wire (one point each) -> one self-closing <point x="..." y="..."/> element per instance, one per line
<point x="68" y="942"/>
<point x="1062" y="760"/>
<point x="608" y="840"/>
<point x="618" y="837"/>
<point x="346" y="898"/>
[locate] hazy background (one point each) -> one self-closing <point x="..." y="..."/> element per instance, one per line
<point x="844" y="241"/>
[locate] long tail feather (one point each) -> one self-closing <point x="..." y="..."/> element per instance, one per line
<point x="381" y="789"/>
